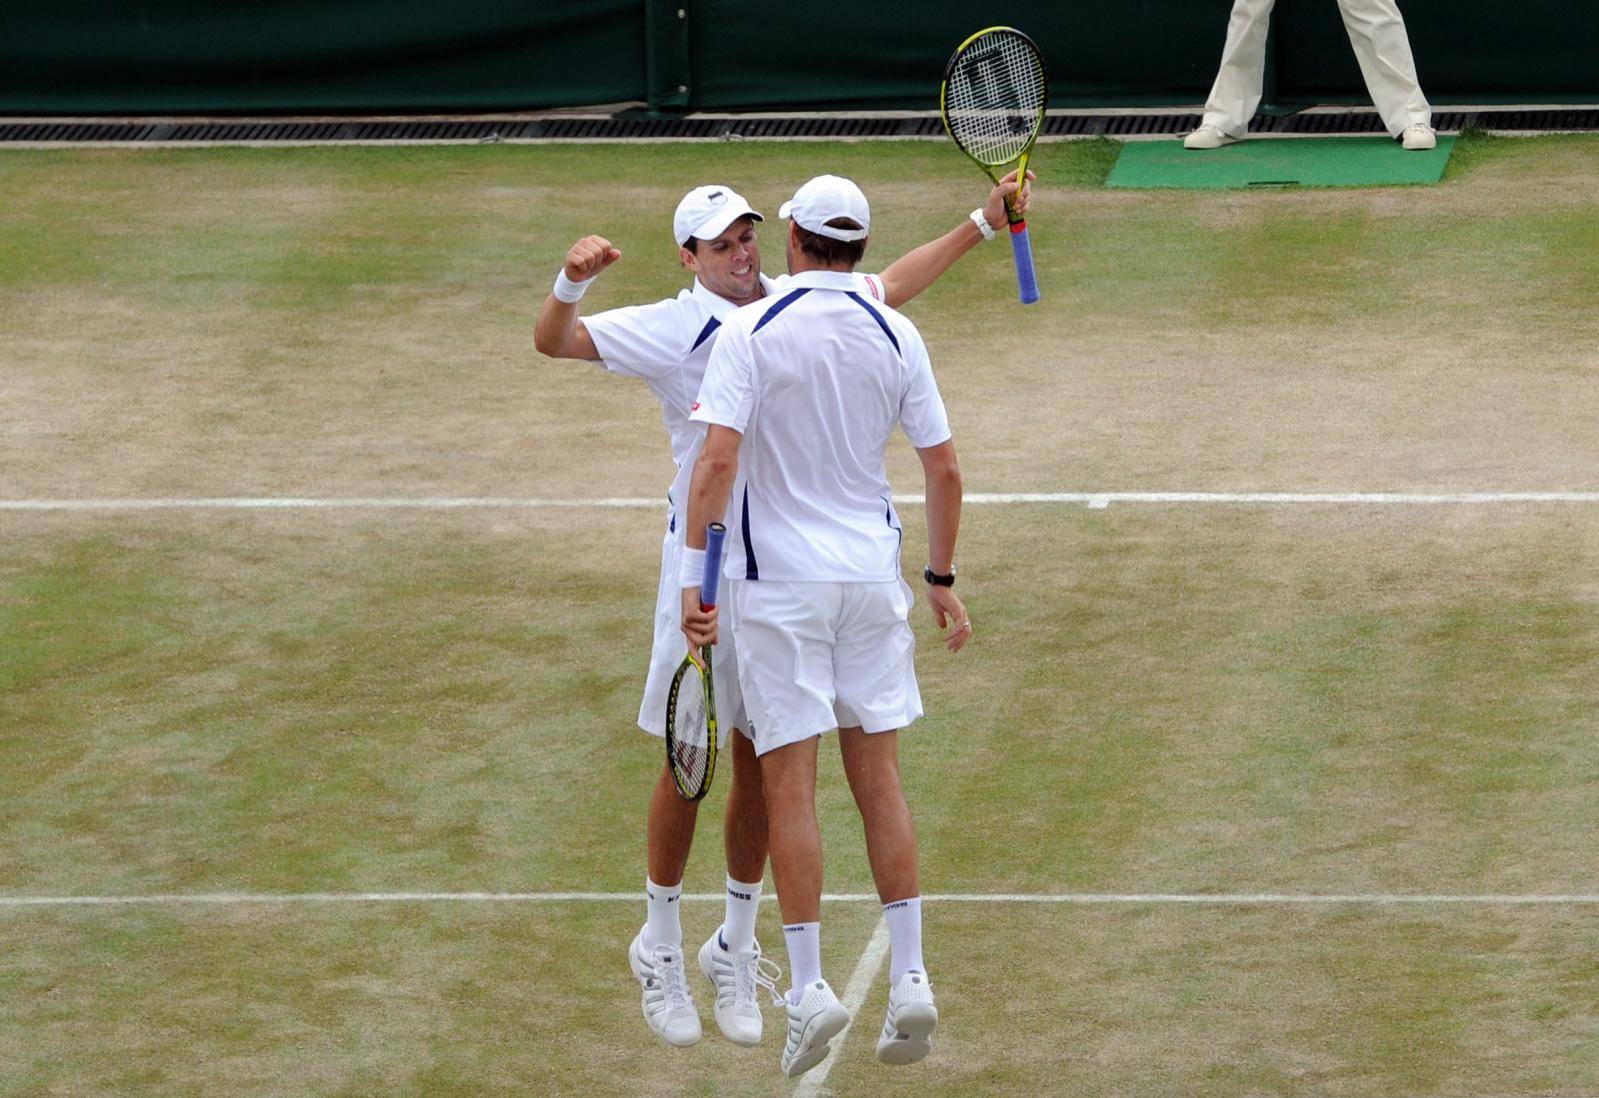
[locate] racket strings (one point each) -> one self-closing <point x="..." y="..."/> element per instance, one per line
<point x="995" y="96"/>
<point x="691" y="732"/>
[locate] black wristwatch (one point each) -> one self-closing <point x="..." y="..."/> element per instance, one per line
<point x="937" y="580"/>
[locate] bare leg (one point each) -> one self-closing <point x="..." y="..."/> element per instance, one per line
<point x="670" y="831"/>
<point x="871" y="763"/>
<point x="788" y="776"/>
<point x="744" y="832"/>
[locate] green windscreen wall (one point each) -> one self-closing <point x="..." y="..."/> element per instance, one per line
<point x="219" y="56"/>
<point x="200" y="56"/>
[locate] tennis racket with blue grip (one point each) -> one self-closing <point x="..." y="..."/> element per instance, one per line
<point x="691" y="701"/>
<point x="993" y="99"/>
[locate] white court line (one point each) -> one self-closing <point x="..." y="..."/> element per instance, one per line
<point x="1095" y="500"/>
<point x="355" y="503"/>
<point x="1247" y="899"/>
<point x="860" y="982"/>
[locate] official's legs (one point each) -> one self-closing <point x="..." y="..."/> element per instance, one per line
<point x="1242" y="73"/>
<point x="1382" y="46"/>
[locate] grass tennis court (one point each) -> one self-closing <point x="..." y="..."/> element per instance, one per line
<point x="1233" y="699"/>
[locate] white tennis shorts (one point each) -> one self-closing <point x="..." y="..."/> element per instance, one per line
<point x="670" y="647"/>
<point x="820" y="656"/>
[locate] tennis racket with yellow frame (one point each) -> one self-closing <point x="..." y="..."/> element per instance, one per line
<point x="691" y="701"/>
<point x="993" y="98"/>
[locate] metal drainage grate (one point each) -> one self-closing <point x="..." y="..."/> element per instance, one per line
<point x="623" y="128"/>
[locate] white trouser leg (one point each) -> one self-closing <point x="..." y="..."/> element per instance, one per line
<point x="1236" y="92"/>
<point x="1377" y="32"/>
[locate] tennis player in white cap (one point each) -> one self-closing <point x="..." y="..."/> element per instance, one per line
<point x="800" y="397"/>
<point x="667" y="345"/>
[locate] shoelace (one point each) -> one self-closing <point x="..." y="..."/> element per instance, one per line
<point x="669" y="965"/>
<point x="757" y="971"/>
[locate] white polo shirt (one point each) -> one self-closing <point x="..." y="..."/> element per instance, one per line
<point x="816" y="378"/>
<point x="667" y="344"/>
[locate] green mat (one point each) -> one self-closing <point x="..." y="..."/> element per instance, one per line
<point x="1279" y="162"/>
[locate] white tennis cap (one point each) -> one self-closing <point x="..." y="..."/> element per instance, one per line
<point x="824" y="198"/>
<point x="706" y="212"/>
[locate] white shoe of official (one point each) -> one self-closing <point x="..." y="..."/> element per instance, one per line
<point x="1419" y="135"/>
<point x="738" y="979"/>
<point x="1208" y="137"/>
<point x="908" y="1027"/>
<point x="668" y="1006"/>
<point x="812" y="1022"/>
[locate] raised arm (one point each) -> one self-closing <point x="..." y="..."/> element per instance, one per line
<point x="559" y="333"/>
<point x="919" y="268"/>
<point x="942" y="472"/>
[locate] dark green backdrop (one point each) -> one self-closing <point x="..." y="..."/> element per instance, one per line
<point x="155" y="56"/>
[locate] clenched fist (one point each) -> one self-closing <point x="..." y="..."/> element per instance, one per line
<point x="588" y="257"/>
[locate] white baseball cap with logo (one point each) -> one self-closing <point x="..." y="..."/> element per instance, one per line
<point x="706" y="212"/>
<point x="824" y="199"/>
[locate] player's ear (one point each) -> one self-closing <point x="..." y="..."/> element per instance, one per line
<point x="687" y="258"/>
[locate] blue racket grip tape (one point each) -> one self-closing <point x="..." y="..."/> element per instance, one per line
<point x="715" y="533"/>
<point x="1023" y="247"/>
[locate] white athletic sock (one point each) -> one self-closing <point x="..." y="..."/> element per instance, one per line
<point x="738" y="927"/>
<point x="904" y="918"/>
<point x="804" y="941"/>
<point x="661" y="925"/>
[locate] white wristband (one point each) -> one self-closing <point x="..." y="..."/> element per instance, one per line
<point x="691" y="567"/>
<point x="977" y="219"/>
<point x="568" y="291"/>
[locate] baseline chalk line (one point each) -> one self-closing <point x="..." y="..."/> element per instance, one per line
<point x="1232" y="899"/>
<point x="1093" y="500"/>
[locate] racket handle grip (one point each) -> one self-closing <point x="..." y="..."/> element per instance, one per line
<point x="1023" y="247"/>
<point x="715" y="533"/>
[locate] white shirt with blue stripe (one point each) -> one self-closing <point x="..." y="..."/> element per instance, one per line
<point x="667" y="344"/>
<point x="816" y="378"/>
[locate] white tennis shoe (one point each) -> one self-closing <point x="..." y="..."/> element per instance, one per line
<point x="812" y="1022"/>
<point x="668" y="1005"/>
<point x="738" y="979"/>
<point x="1419" y="135"/>
<point x="908" y="1027"/>
<point x="1208" y="137"/>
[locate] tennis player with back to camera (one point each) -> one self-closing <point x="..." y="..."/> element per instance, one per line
<point x="667" y="344"/>
<point x="800" y="398"/>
